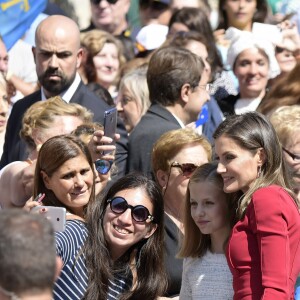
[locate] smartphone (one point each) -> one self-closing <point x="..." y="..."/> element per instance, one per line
<point x="56" y="215"/>
<point x="267" y="31"/>
<point x="110" y="124"/>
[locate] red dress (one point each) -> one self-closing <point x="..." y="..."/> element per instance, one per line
<point x="263" y="252"/>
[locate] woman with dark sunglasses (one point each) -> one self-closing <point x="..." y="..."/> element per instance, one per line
<point x="66" y="176"/>
<point x="128" y="224"/>
<point x="175" y="157"/>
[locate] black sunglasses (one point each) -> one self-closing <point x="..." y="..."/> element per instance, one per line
<point x="187" y="169"/>
<point x="96" y="2"/>
<point x="139" y="213"/>
<point x="103" y="166"/>
<point x="295" y="157"/>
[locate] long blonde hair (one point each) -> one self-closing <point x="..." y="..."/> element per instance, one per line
<point x="194" y="243"/>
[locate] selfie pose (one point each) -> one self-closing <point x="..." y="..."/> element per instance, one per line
<point x="111" y="248"/>
<point x="263" y="250"/>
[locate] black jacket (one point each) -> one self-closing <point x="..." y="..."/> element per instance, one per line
<point x="15" y="148"/>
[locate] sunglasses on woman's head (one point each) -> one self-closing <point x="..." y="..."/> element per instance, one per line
<point x="139" y="213"/>
<point x="96" y="2"/>
<point x="103" y="166"/>
<point x="187" y="169"/>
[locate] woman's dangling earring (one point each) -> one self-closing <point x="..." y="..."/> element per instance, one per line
<point x="259" y="172"/>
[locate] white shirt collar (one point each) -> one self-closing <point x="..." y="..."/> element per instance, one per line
<point x="245" y="105"/>
<point x="68" y="94"/>
<point x="179" y="121"/>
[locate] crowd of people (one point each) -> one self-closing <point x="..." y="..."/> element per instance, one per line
<point x="197" y="193"/>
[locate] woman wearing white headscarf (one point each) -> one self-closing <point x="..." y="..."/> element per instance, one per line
<point x="253" y="62"/>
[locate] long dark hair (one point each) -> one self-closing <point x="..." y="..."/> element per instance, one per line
<point x="259" y="16"/>
<point x="252" y="131"/>
<point x="151" y="280"/>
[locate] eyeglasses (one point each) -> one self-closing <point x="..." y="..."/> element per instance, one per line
<point x="208" y="87"/>
<point x="295" y="157"/>
<point x="103" y="166"/>
<point x="139" y="213"/>
<point x="96" y="2"/>
<point x="187" y="169"/>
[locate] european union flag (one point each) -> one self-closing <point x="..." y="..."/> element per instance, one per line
<point x="16" y="16"/>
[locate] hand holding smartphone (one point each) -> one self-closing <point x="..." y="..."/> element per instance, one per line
<point x="56" y="215"/>
<point x="110" y="124"/>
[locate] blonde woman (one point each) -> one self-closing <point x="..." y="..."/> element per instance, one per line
<point x="133" y="97"/>
<point x="175" y="156"/>
<point x="208" y="216"/>
<point x="286" y="121"/>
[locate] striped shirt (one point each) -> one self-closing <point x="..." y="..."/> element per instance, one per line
<point x="73" y="279"/>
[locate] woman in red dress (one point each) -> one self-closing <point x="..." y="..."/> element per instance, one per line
<point x="263" y="251"/>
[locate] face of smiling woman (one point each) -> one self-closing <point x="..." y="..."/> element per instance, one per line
<point x="251" y="69"/>
<point x="237" y="166"/>
<point x="72" y="183"/>
<point x="121" y="230"/>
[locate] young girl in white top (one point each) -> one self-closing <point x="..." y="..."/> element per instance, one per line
<point x="208" y="217"/>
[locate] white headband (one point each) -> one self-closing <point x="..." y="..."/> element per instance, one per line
<point x="243" y="40"/>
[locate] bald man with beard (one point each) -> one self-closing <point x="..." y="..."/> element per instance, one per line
<point x="58" y="56"/>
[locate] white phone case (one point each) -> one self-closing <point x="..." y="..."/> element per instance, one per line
<point x="56" y="215"/>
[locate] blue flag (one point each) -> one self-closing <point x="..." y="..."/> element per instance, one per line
<point x="16" y="16"/>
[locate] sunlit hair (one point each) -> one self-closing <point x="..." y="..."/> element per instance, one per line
<point x="40" y="118"/>
<point x="52" y="155"/>
<point x="286" y="91"/>
<point x="286" y="121"/>
<point x="259" y="16"/>
<point x="172" y="142"/>
<point x="93" y="42"/>
<point x="136" y="82"/>
<point x="195" y="19"/>
<point x="148" y="259"/>
<point x="252" y="131"/>
<point x="194" y="243"/>
<point x="169" y="69"/>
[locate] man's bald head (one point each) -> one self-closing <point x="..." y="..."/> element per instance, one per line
<point x="58" y="25"/>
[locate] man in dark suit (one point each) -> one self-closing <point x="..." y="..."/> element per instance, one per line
<point x="177" y="89"/>
<point x="58" y="56"/>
